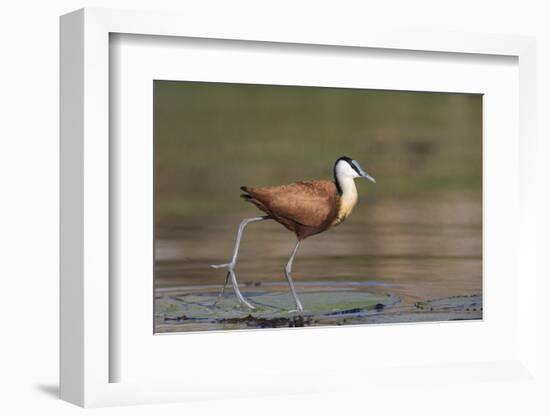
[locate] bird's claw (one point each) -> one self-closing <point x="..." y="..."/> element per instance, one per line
<point x="230" y="266"/>
<point x="231" y="273"/>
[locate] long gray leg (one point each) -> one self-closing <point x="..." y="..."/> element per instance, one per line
<point x="288" y="271"/>
<point x="233" y="264"/>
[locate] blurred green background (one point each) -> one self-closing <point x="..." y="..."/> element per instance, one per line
<point x="213" y="137"/>
<point x="418" y="228"/>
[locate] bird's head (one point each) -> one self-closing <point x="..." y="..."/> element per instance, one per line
<point x="346" y="167"/>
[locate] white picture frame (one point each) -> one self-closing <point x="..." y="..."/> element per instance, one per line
<point x="86" y="356"/>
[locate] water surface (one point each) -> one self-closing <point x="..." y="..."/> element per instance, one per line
<point x="416" y="252"/>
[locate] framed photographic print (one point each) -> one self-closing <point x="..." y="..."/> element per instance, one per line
<point x="272" y="212"/>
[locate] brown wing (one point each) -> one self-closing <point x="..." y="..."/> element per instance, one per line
<point x="309" y="203"/>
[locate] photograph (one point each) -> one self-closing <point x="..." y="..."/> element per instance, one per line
<point x="289" y="206"/>
<point x="300" y="207"/>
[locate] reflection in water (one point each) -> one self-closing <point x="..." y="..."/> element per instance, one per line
<point x="416" y="250"/>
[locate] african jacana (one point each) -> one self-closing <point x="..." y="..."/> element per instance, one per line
<point x="306" y="208"/>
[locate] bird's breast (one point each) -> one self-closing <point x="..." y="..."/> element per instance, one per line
<point x="345" y="205"/>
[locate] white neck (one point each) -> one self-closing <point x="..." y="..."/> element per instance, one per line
<point x="347" y="200"/>
<point x="344" y="176"/>
<point x="349" y="191"/>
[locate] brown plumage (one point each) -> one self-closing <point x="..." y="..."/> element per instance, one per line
<point x="306" y="208"/>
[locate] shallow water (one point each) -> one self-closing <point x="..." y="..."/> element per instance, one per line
<point x="424" y="255"/>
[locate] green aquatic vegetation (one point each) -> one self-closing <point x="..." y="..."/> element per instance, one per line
<point x="271" y="305"/>
<point x="421" y="305"/>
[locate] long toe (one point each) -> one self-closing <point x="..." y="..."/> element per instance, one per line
<point x="299" y="308"/>
<point x="221" y="266"/>
<point x="246" y="302"/>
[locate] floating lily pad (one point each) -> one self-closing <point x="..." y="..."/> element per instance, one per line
<point x="201" y="308"/>
<point x="271" y="305"/>
<point x="472" y="303"/>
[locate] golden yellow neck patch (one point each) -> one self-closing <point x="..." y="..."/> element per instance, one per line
<point x="346" y="203"/>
